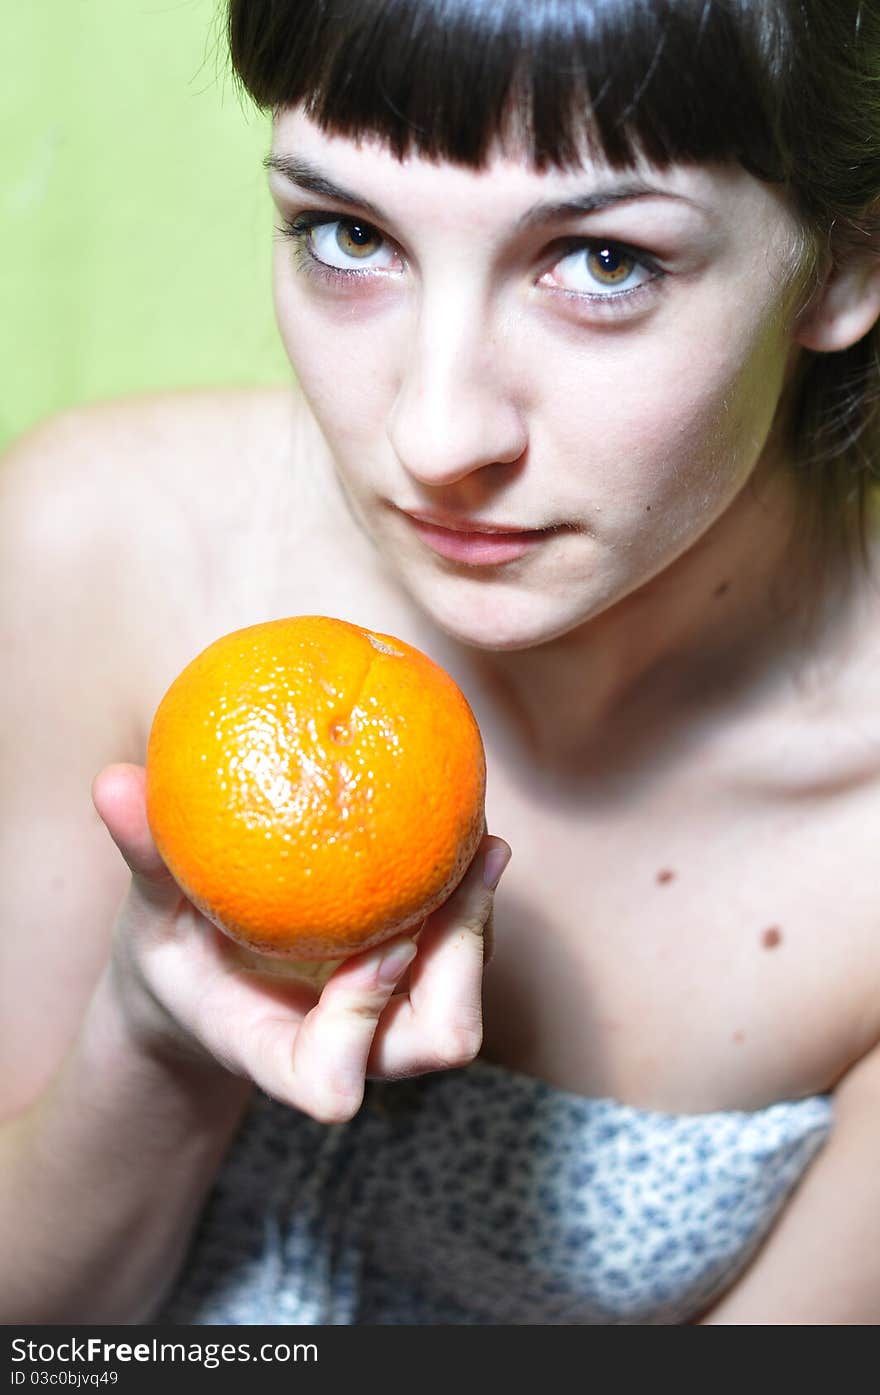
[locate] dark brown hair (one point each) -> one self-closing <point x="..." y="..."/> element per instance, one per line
<point x="788" y="88"/>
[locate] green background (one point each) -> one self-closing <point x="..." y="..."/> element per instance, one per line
<point x="135" y="223"/>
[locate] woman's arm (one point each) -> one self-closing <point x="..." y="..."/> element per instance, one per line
<point x="103" y="1179"/>
<point x="821" y="1262"/>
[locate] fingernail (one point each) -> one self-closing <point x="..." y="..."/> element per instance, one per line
<point x="495" y="861"/>
<point x="395" y="961"/>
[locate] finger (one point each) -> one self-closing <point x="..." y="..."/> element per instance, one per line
<point x="119" y="796"/>
<point x="306" y="1053"/>
<point x="334" y="1042"/>
<point x="438" y="1023"/>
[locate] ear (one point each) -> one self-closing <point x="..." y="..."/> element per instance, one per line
<point x="844" y="309"/>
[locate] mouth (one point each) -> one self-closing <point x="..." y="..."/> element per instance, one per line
<point x="476" y="543"/>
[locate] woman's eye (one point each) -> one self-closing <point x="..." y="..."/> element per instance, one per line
<point x="347" y="244"/>
<point x="602" y="270"/>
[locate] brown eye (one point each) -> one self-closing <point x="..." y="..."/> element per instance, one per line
<point x="357" y="239"/>
<point x="348" y="245"/>
<point x="602" y="271"/>
<point x="609" y="265"/>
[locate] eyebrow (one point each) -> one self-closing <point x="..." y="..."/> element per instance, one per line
<point x="307" y="176"/>
<point x="597" y="199"/>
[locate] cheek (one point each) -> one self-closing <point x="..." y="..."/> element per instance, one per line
<point x="336" y="355"/>
<point x="673" y="428"/>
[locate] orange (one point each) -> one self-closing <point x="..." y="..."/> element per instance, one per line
<point x="313" y="787"/>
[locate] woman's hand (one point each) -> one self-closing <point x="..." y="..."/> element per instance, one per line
<point x="185" y="989"/>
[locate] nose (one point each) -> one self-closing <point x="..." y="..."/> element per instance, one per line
<point x="456" y="409"/>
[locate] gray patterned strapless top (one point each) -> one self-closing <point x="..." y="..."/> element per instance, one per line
<point x="481" y="1195"/>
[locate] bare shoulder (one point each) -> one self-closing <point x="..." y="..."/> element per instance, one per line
<point x="154" y="494"/>
<point x="105" y="454"/>
<point x="839" y="762"/>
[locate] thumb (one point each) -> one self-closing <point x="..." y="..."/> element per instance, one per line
<point x="119" y="796"/>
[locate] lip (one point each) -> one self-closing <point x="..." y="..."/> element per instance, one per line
<point x="489" y="544"/>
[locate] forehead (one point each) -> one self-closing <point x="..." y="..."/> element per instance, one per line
<point x="509" y="185"/>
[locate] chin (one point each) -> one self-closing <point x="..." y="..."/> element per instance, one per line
<point x="499" y="618"/>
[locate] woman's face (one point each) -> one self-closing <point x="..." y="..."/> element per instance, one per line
<point x="533" y="352"/>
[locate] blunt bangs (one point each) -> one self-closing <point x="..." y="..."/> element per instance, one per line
<point x="618" y="80"/>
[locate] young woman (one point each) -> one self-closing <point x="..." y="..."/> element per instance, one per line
<point x="581" y="303"/>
